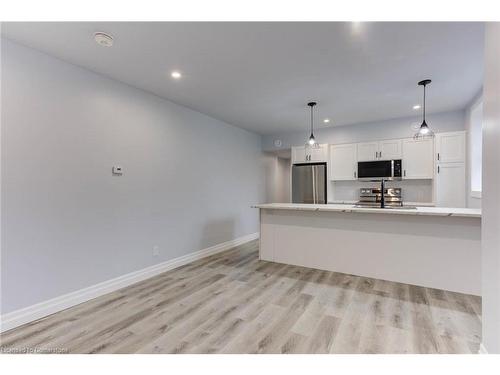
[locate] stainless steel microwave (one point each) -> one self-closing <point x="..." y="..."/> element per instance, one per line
<point x="380" y="169"/>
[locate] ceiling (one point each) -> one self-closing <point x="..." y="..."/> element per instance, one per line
<point x="259" y="76"/>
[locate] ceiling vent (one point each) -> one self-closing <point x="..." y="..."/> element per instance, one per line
<point x="103" y="39"/>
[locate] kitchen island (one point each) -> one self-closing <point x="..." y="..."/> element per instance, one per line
<point x="434" y="247"/>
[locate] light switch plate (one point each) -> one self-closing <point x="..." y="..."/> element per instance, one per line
<point x="117" y="170"/>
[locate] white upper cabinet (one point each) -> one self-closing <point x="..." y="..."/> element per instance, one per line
<point x="390" y="149"/>
<point x="417" y="158"/>
<point x="383" y="150"/>
<point x="319" y="154"/>
<point x="298" y="154"/>
<point x="367" y="151"/>
<point x="343" y="162"/>
<point x="450" y="169"/>
<point x="450" y="147"/>
<point x="303" y="154"/>
<point x="450" y="185"/>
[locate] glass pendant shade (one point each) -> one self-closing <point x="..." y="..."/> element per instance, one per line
<point x="311" y="142"/>
<point x="424" y="131"/>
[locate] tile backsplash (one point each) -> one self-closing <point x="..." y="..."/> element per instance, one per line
<point x="413" y="190"/>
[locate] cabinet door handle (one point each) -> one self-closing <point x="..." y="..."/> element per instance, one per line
<point x="404" y="173"/>
<point x="380" y="154"/>
<point x="438" y="156"/>
<point x="438" y="168"/>
<point x="354" y="174"/>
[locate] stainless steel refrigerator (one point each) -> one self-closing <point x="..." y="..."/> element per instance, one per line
<point x="309" y="183"/>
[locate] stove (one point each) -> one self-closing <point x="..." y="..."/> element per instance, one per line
<point x="371" y="197"/>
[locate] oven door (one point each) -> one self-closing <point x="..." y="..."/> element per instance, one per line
<point x="376" y="170"/>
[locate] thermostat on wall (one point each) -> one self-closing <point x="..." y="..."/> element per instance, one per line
<point x="117" y="171"/>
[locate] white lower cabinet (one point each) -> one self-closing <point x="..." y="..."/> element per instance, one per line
<point x="450" y="185"/>
<point x="343" y="162"/>
<point x="418" y="158"/>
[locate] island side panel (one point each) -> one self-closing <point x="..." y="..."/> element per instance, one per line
<point x="266" y="248"/>
<point x="441" y="252"/>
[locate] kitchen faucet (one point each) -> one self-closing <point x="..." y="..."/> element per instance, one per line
<point x="382" y="196"/>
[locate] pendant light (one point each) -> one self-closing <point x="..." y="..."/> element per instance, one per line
<point x="311" y="142"/>
<point x="424" y="131"/>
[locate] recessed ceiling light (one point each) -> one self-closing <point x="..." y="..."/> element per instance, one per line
<point x="416" y="106"/>
<point x="326" y="120"/>
<point x="103" y="39"/>
<point x="175" y="74"/>
<point x="356" y="27"/>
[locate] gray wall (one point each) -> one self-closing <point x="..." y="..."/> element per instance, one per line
<point x="490" y="246"/>
<point x="388" y="129"/>
<point x="277" y="178"/>
<point x="472" y="202"/>
<point x="283" y="181"/>
<point x="189" y="180"/>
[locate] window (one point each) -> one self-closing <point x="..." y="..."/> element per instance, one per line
<point x="476" y="145"/>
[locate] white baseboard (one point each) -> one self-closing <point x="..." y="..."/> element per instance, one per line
<point x="482" y="349"/>
<point x="42" y="309"/>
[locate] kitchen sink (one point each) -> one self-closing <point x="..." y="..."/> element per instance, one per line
<point x="387" y="207"/>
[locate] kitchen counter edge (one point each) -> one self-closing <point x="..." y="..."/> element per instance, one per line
<point x="424" y="211"/>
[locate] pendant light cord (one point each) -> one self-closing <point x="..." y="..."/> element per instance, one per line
<point x="424" y="103"/>
<point x="311" y="120"/>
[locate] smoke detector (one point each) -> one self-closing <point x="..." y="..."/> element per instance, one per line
<point x="103" y="39"/>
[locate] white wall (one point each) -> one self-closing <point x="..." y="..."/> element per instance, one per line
<point x="277" y="177"/>
<point x="387" y="129"/>
<point x="189" y="180"/>
<point x="283" y="181"/>
<point x="473" y="202"/>
<point x="491" y="191"/>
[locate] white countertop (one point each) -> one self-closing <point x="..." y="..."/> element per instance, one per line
<point x="426" y="211"/>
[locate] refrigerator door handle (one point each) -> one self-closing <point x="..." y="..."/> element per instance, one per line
<point x="314" y="183"/>
<point x="316" y="187"/>
<point x="316" y="191"/>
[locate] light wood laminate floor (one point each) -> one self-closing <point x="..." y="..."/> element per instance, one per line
<point x="233" y="303"/>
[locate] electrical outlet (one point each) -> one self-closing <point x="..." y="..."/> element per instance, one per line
<point x="156" y="250"/>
